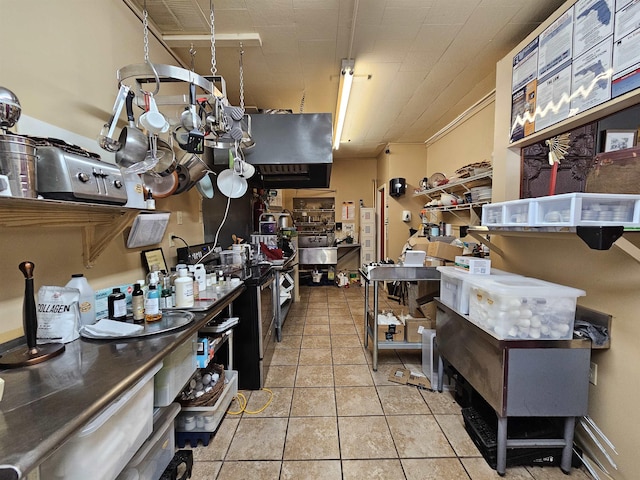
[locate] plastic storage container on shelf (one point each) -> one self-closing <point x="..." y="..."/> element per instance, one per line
<point x="455" y="287"/>
<point x="106" y="444"/>
<point x="584" y="209"/>
<point x="153" y="457"/>
<point x="516" y="307"/>
<point x="207" y="418"/>
<point x="177" y="369"/>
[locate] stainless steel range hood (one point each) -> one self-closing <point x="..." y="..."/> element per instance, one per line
<point x="292" y="150"/>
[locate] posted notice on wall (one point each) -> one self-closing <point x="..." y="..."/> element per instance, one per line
<point x="348" y="210"/>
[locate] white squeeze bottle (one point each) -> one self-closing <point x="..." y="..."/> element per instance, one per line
<point x="184" y="289"/>
<point x="87" y="301"/>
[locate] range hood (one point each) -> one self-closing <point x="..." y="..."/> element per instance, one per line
<point x="292" y="150"/>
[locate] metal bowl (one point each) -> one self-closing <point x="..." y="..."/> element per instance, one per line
<point x="10" y="108"/>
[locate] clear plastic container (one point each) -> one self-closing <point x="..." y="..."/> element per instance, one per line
<point x="516" y="307"/>
<point x="455" y="287"/>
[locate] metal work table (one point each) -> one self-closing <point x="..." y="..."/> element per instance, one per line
<point x="389" y="273"/>
<point x="518" y="378"/>
<point x="45" y="404"/>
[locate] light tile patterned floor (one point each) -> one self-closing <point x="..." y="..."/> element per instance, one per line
<point x="333" y="417"/>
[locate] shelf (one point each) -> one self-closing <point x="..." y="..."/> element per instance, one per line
<point x="314" y="210"/>
<point x="100" y="224"/>
<point x="597" y="238"/>
<point x="460" y="184"/>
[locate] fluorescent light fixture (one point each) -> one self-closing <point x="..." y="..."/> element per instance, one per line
<point x="346" y="81"/>
<point x="222" y="40"/>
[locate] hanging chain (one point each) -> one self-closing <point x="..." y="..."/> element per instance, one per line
<point x="241" y="79"/>
<point x="304" y="95"/>
<point x="192" y="53"/>
<point x="214" y="69"/>
<point x="145" y="25"/>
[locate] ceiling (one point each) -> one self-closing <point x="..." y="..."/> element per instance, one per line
<point x="418" y="63"/>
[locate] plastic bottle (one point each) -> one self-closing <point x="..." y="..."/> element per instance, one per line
<point x="137" y="304"/>
<point x="87" y="301"/>
<point x="150" y="201"/>
<point x="166" y="298"/>
<point x="184" y="289"/>
<point x="152" y="312"/>
<point x="117" y="305"/>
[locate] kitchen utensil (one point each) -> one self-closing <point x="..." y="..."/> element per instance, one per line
<point x="437" y="179"/>
<point x="73" y="176"/>
<point x="133" y="143"/>
<point x="242" y="168"/>
<point x="18" y="163"/>
<point x="160" y="186"/>
<point x="205" y="186"/>
<point x="231" y="185"/>
<point x="10" y="108"/>
<point x="151" y="159"/>
<point x="195" y="166"/>
<point x="105" y="139"/>
<point x="167" y="160"/>
<point x="33" y="353"/>
<point x="184" y="182"/>
<point x="152" y="120"/>
<point x="195" y="141"/>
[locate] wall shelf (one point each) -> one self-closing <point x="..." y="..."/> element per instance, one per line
<point x="99" y="224"/>
<point x="463" y="184"/>
<point x="597" y="237"/>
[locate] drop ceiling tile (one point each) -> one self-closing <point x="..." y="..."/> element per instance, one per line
<point x="435" y="38"/>
<point x="395" y="15"/>
<point x="316" y="24"/>
<point x="271" y="17"/>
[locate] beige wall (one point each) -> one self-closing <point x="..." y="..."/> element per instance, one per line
<point x="610" y="278"/>
<point x="408" y="161"/>
<point x="62" y="64"/>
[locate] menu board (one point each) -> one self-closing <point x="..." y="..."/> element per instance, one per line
<point x="587" y="56"/>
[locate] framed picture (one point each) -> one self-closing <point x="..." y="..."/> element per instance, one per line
<point x="619" y="139"/>
<point x="154" y="256"/>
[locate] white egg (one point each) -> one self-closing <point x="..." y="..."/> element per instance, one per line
<point x="563" y="328"/>
<point x="206" y="379"/>
<point x="524" y="323"/>
<point x="514" y="303"/>
<point x="544" y="330"/>
<point x="513" y="331"/>
<point x="555" y="334"/>
<point x="535" y="321"/>
<point x="525" y="312"/>
<point x="215" y="377"/>
<point x="534" y="333"/>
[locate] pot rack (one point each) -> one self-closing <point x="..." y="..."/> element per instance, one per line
<point x="143" y="73"/>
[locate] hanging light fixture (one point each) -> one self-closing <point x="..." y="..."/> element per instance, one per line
<point x="346" y="81"/>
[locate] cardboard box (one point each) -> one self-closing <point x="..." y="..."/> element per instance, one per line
<point x="429" y="310"/>
<point x="443" y="250"/>
<point x="390" y="333"/>
<point x="400" y="375"/>
<point x="473" y="265"/>
<point x="412" y="328"/>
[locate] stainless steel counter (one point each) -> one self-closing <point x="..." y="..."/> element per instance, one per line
<point x="45" y="404"/>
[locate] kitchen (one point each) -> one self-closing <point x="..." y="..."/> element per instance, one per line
<point x="72" y="86"/>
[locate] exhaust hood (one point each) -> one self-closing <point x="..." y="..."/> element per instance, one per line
<point x="292" y="150"/>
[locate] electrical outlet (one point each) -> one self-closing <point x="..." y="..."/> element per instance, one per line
<point x="593" y="373"/>
<point x="171" y="242"/>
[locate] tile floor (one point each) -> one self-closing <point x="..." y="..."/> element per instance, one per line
<point x="333" y="417"/>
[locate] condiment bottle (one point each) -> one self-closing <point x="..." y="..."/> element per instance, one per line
<point x="166" y="298"/>
<point x="137" y="304"/>
<point x="150" y="202"/>
<point x="117" y="305"/>
<point x="152" y="312"/>
<point x="184" y="289"/>
<point x="87" y="301"/>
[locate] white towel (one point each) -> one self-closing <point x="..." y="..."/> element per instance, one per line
<point x="112" y="328"/>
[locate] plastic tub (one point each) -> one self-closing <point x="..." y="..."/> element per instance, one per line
<point x="455" y="287"/>
<point x="106" y="444"/>
<point x="177" y="369"/>
<point x="156" y="453"/>
<point x="516" y="307"/>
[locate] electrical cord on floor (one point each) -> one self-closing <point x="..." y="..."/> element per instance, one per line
<point x="242" y="401"/>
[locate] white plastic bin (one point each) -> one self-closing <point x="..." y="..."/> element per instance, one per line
<point x="106" y="444"/>
<point x="156" y="453"/>
<point x="455" y="287"/>
<point x="177" y="369"/>
<point x="515" y="307"/>
<point x="493" y="214"/>
<point x="429" y="357"/>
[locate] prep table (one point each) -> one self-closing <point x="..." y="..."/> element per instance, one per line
<point x="389" y="273"/>
<point x="518" y="378"/>
<point x="47" y="403"/>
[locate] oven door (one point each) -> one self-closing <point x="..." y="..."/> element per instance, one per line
<point x="266" y="314"/>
